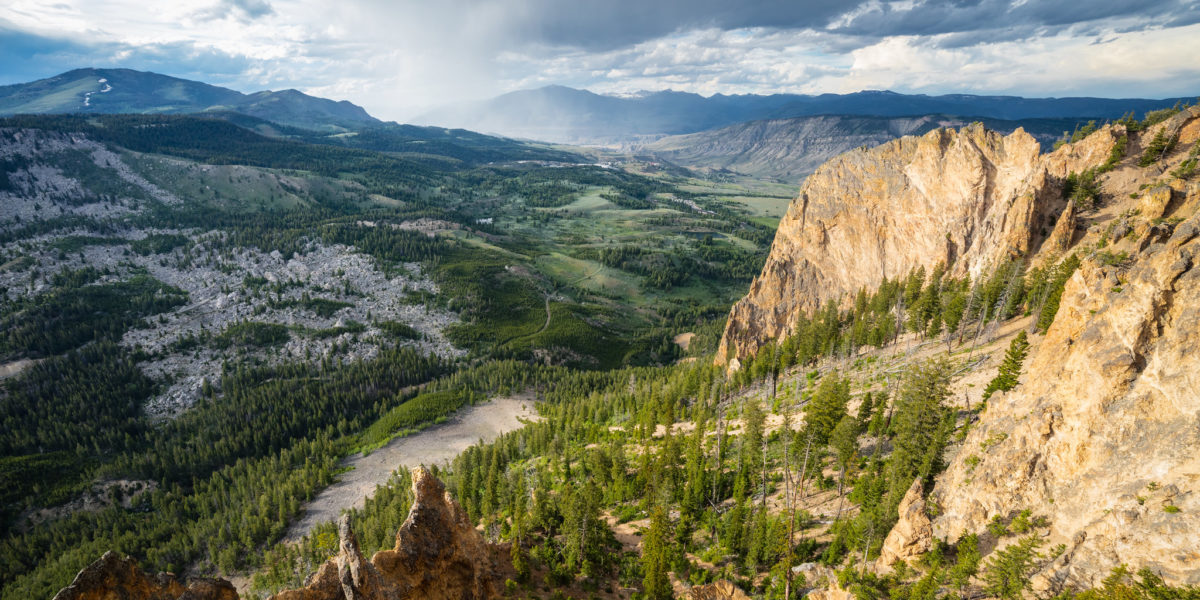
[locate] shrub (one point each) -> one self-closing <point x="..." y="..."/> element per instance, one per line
<point x="997" y="527"/>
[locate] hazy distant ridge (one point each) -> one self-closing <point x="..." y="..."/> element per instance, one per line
<point x="562" y="114"/>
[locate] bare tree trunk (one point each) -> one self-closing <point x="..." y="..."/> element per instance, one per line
<point x="764" y="474"/>
<point x="978" y="332"/>
<point x="804" y="467"/>
<point x="789" y="499"/>
<point x="1037" y="312"/>
<point x="841" y="486"/>
<point x="866" y="546"/>
<point x="962" y="326"/>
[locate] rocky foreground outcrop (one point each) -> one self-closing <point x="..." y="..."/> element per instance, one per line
<point x="969" y="198"/>
<point x="438" y="556"/>
<point x="119" y="578"/>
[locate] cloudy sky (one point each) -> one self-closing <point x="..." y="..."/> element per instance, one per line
<point x="400" y="57"/>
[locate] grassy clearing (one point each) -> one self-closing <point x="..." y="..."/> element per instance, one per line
<point x="414" y="415"/>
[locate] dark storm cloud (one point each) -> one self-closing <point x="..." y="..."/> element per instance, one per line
<point x="982" y="21"/>
<point x="609" y="24"/>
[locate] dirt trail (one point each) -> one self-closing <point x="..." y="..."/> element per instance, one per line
<point x="435" y="445"/>
<point x="14" y="368"/>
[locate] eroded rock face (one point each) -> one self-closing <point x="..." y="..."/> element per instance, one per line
<point x="1103" y="435"/>
<point x="117" y="578"/>
<point x="347" y="576"/>
<point x="438" y="556"/>
<point x="969" y="198"/>
<point x="717" y="590"/>
<point x="1064" y="232"/>
<point x="912" y="535"/>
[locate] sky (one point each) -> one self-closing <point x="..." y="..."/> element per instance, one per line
<point x="399" y="58"/>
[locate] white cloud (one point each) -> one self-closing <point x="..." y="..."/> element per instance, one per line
<point x="398" y="57"/>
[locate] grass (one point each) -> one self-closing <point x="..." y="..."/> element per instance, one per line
<point x="243" y="189"/>
<point x="577" y="330"/>
<point x="413" y="415"/>
<point x="768" y="208"/>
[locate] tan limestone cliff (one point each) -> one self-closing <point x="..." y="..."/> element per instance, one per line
<point x="717" y="590"/>
<point x="969" y="198"/>
<point x="911" y="536"/>
<point x="1102" y="437"/>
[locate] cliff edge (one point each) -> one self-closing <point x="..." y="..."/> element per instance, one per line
<point x="969" y="198"/>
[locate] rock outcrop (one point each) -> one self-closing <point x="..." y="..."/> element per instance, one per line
<point x="911" y="536"/>
<point x="1064" y="231"/>
<point x="1103" y="436"/>
<point x="119" y="578"/>
<point x="347" y="576"/>
<point x="968" y="198"/>
<point x="438" y="553"/>
<point x="717" y="590"/>
<point x="438" y="556"/>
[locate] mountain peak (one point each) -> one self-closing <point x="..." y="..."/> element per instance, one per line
<point x="119" y="90"/>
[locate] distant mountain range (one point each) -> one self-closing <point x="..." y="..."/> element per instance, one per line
<point x="780" y="136"/>
<point x="562" y="114"/>
<point x="109" y="91"/>
<point x="787" y="150"/>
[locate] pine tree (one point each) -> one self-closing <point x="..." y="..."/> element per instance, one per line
<point x="1160" y="145"/>
<point x="1010" y="368"/>
<point x="1007" y="572"/>
<point x="827" y="407"/>
<point x="967" y="563"/>
<point x="656" y="557"/>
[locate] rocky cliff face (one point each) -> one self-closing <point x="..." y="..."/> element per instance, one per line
<point x="969" y="198"/>
<point x="1102" y="437"/>
<point x="113" y="577"/>
<point x="438" y="555"/>
<point x="912" y="535"/>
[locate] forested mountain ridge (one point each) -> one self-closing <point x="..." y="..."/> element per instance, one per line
<point x="110" y="91"/>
